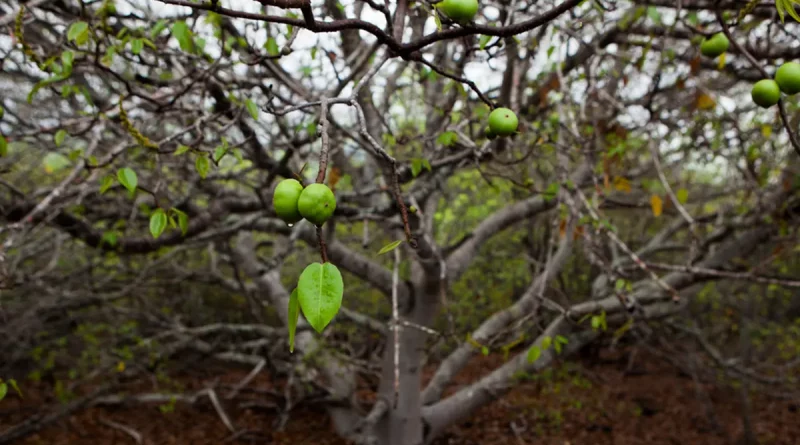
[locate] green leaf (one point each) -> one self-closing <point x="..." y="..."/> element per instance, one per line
<point x="272" y="46"/>
<point x="157" y="28"/>
<point x="219" y="153"/>
<point x="108" y="181"/>
<point x="202" y="165"/>
<point x="76" y="30"/>
<point x="546" y="342"/>
<point x="438" y="20"/>
<point x="294" y="314"/>
<point x="551" y="192"/>
<point x="534" y="353"/>
<point x="3" y="146"/>
<point x="252" y="108"/>
<point x="595" y="322"/>
<point x="183" y="221"/>
<point x="128" y="179"/>
<point x="181" y="150"/>
<point x="3" y="390"/>
<point x="484" y="350"/>
<point x="59" y="137"/>
<point x="416" y="166"/>
<point x="14" y="385"/>
<point x="54" y="162"/>
<point x="67" y="57"/>
<point x="137" y="45"/>
<point x="682" y="195"/>
<point x="319" y="292"/>
<point x="180" y="30"/>
<point x="390" y="247"/>
<point x="484" y="41"/>
<point x="447" y="138"/>
<point x="158" y="222"/>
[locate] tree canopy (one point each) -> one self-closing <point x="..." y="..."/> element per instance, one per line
<point x="648" y="194"/>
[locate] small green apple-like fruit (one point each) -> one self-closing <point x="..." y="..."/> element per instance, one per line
<point x="317" y="203"/>
<point x="285" y="198"/>
<point x="788" y="78"/>
<point x="503" y="122"/>
<point x="715" y="46"/>
<point x="459" y="10"/>
<point x="766" y="93"/>
<point x="490" y="134"/>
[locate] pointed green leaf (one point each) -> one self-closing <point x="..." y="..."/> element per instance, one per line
<point x="546" y="342"/>
<point x="59" y="137"/>
<point x="183" y="221"/>
<point x="181" y="150"/>
<point x="158" y="222"/>
<point x="14" y="385"/>
<point x="219" y="153"/>
<point x="202" y="165"/>
<point x="484" y="41"/>
<point x="272" y="46"/>
<point x="180" y="30"/>
<point x="319" y="292"/>
<point x="3" y="390"/>
<point x="534" y="353"/>
<point x="3" y="146"/>
<point x="294" y="314"/>
<point x="128" y="179"/>
<point x="137" y="45"/>
<point x="390" y="247"/>
<point x="252" y="108"/>
<point x="108" y="181"/>
<point x="76" y="30"/>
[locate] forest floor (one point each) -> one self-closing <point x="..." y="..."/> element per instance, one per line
<point x="607" y="403"/>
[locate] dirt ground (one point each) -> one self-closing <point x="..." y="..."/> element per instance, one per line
<point x="575" y="404"/>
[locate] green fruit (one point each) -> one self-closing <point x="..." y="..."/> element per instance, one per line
<point x="490" y="134"/>
<point x="317" y="203"/>
<point x="503" y="122"/>
<point x="788" y="77"/>
<point x="285" y="198"/>
<point x="766" y="93"/>
<point x="714" y="46"/>
<point x="459" y="10"/>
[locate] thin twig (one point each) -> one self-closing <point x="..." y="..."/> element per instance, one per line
<point x="395" y="325"/>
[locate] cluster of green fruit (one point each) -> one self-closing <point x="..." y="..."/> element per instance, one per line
<point x="502" y="122"/>
<point x="767" y="92"/>
<point x="461" y="11"/>
<point x="293" y="202"/>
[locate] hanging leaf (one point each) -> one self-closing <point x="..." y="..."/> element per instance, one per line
<point x="319" y="292"/>
<point x="202" y="165"/>
<point x="484" y="41"/>
<point x="59" y="137"/>
<point x="272" y="47"/>
<point x="721" y="62"/>
<point x="390" y="247"/>
<point x="137" y="45"/>
<point x="294" y="314"/>
<point x="657" y="205"/>
<point x="76" y="30"/>
<point x="3" y="146"/>
<point x="181" y="150"/>
<point x="108" y="181"/>
<point x="682" y="195"/>
<point x="3" y="390"/>
<point x="252" y="109"/>
<point x="128" y="179"/>
<point x="158" y="222"/>
<point x="534" y="353"/>
<point x="183" y="220"/>
<point x="180" y="30"/>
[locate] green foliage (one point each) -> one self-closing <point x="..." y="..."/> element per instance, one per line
<point x="390" y="247"/>
<point x="319" y="291"/>
<point x="294" y="314"/>
<point x="158" y="222"/>
<point x="127" y="177"/>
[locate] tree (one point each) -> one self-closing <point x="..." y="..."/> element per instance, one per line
<point x="142" y="141"/>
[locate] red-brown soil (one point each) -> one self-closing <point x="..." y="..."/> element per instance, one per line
<point x="572" y="405"/>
